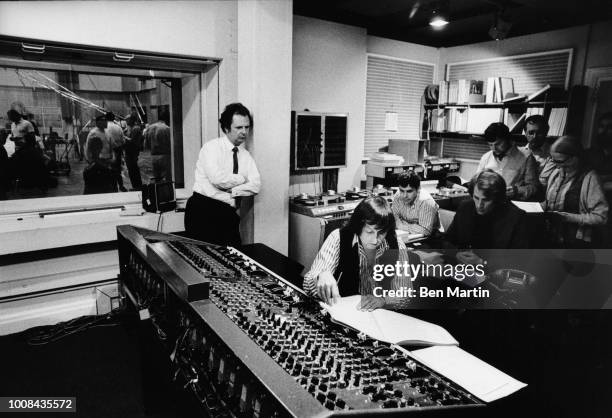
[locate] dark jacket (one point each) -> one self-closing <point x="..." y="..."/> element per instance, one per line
<point x="504" y="228"/>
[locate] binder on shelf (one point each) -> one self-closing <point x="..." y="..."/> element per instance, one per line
<point x="490" y="95"/>
<point x="507" y="87"/>
<point x="443" y="93"/>
<point x="517" y="125"/>
<point x="538" y="93"/>
<point x="515" y="98"/>
<point x="475" y="92"/>
<point x="453" y="91"/>
<point x="556" y="121"/>
<point x="479" y="118"/>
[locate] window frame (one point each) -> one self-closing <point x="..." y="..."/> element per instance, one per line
<point x="102" y="60"/>
<point x="418" y="111"/>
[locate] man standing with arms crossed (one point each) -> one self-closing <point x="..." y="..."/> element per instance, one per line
<point x="225" y="171"/>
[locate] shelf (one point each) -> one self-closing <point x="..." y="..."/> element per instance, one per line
<point x="497" y="105"/>
<point x="467" y="135"/>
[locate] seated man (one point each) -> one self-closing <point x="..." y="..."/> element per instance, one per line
<point x="538" y="145"/>
<point x="518" y="170"/>
<point x="415" y="210"/>
<point x="489" y="220"/>
<point x="344" y="264"/>
<point x="574" y="198"/>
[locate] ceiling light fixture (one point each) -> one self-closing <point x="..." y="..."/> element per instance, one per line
<point x="439" y="15"/>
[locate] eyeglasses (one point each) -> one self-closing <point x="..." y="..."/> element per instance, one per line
<point x="560" y="161"/>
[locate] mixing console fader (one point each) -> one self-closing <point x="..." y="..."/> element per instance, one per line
<point x="258" y="346"/>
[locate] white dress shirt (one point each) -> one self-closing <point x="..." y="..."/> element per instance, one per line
<point x="214" y="176"/>
<point x="516" y="168"/>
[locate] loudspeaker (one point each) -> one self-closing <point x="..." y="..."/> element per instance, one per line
<point x="158" y="197"/>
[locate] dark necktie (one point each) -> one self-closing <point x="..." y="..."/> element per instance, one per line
<point x="235" y="151"/>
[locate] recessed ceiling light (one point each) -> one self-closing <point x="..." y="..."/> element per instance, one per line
<point x="438" y="22"/>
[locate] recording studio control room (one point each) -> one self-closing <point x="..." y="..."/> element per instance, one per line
<point x="306" y="208"/>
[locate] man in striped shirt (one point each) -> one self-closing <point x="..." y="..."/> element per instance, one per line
<point x="415" y="210"/>
<point x="344" y="265"/>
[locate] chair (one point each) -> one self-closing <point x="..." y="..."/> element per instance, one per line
<point x="446" y="219"/>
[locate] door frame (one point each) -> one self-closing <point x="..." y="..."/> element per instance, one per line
<point x="593" y="78"/>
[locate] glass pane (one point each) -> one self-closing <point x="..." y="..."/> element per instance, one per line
<point x="50" y="116"/>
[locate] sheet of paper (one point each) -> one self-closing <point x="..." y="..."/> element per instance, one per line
<point x="387" y="326"/>
<point x="346" y="311"/>
<point x="473" y="374"/>
<point x="529" y="207"/>
<point x="406" y="236"/>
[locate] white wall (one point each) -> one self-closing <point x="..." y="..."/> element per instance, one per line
<point x="329" y="62"/>
<point x="264" y="86"/>
<point x="201" y="28"/>
<point x="405" y="50"/>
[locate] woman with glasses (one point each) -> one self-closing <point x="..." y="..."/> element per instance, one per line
<point x="575" y="200"/>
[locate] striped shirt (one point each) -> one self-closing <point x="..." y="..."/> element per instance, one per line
<point x="421" y="217"/>
<point x="328" y="258"/>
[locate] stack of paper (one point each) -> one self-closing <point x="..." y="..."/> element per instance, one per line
<point x="474" y="375"/>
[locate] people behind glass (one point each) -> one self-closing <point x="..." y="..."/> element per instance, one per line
<point x="133" y="146"/>
<point x="415" y="210"/>
<point x="344" y="264"/>
<point x="575" y="203"/>
<point x="117" y="141"/>
<point x="98" y="176"/>
<point x="26" y="166"/>
<point x="489" y="220"/>
<point x="20" y="127"/>
<point x="157" y="137"/>
<point x="518" y="170"/>
<point x="111" y="136"/>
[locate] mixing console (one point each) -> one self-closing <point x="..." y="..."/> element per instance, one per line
<point x="263" y="347"/>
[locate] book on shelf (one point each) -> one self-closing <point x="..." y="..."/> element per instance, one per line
<point x="538" y="93"/>
<point x="387" y="326"/>
<point x="470" y="91"/>
<point x="515" y="98"/>
<point x="534" y="111"/>
<point x="516" y="124"/>
<point x="453" y="91"/>
<point x="557" y="120"/>
<point x="479" y="118"/>
<point x="443" y="92"/>
<point x="506" y="87"/>
<point x="457" y="119"/>
<point x="490" y="91"/>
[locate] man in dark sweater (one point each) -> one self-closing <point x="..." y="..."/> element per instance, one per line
<point x="489" y="220"/>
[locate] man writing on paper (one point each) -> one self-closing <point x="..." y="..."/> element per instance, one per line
<point x="518" y="170"/>
<point x="225" y="171"/>
<point x="415" y="210"/>
<point x="345" y="263"/>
